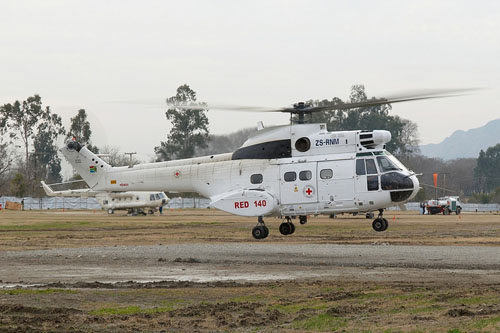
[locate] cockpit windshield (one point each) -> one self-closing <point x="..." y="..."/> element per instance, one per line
<point x="385" y="164"/>
<point x="395" y="161"/>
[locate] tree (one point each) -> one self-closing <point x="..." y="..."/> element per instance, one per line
<point x="31" y="122"/>
<point x="404" y="132"/>
<point x="7" y="154"/>
<point x="80" y="130"/>
<point x="44" y="160"/>
<point x="23" y="118"/>
<point x="218" y="144"/>
<point x="487" y="170"/>
<point x="7" y="157"/>
<point x="18" y="185"/>
<point x="190" y="127"/>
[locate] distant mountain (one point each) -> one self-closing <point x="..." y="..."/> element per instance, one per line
<point x="465" y="143"/>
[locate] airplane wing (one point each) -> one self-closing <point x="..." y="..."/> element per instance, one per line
<point x="84" y="192"/>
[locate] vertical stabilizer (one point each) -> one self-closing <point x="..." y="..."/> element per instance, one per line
<point x="87" y="164"/>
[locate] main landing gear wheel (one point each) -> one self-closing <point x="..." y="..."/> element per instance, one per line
<point x="287" y="228"/>
<point x="260" y="231"/>
<point x="380" y="223"/>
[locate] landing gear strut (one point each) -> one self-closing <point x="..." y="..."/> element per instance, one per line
<point x="287" y="227"/>
<point x="260" y="231"/>
<point x="380" y="223"/>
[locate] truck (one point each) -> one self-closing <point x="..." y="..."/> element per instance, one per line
<point x="444" y="205"/>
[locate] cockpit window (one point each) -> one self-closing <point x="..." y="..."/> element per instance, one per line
<point x="371" y="169"/>
<point x="157" y="196"/>
<point x="386" y="165"/>
<point x="394" y="160"/>
<point x="151" y="197"/>
<point x="360" y="167"/>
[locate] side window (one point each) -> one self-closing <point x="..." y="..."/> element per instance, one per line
<point x="157" y="196"/>
<point x="256" y="178"/>
<point x="326" y="174"/>
<point x="290" y="176"/>
<point x="305" y="175"/>
<point x="371" y="169"/>
<point x="360" y="167"/>
<point x="151" y="197"/>
<point x="372" y="182"/>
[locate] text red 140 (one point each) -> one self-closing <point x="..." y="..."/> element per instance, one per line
<point x="245" y="204"/>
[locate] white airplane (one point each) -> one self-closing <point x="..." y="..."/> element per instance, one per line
<point x="134" y="202"/>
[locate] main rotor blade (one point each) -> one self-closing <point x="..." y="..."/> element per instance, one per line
<point x="415" y="96"/>
<point x="403" y="97"/>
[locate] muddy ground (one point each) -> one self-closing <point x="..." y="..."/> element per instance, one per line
<point x="456" y="290"/>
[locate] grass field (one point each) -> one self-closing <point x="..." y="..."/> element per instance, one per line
<point x="49" y="229"/>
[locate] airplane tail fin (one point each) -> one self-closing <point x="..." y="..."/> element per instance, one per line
<point x="87" y="164"/>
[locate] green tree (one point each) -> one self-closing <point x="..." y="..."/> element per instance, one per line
<point x="7" y="154"/>
<point x="404" y="132"/>
<point x="190" y="127"/>
<point x="80" y="130"/>
<point x="31" y="122"/>
<point x="23" y="118"/>
<point x="44" y="160"/>
<point x="487" y="170"/>
<point x="18" y="185"/>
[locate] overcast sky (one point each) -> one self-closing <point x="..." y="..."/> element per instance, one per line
<point x="90" y="54"/>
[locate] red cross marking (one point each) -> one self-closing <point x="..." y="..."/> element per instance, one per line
<point x="308" y="191"/>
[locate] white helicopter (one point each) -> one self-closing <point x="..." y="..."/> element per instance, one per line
<point x="291" y="170"/>
<point x="133" y="202"/>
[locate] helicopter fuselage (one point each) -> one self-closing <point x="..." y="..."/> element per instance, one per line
<point x="288" y="170"/>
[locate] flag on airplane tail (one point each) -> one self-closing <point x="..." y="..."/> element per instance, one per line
<point x="435" y="176"/>
<point x="93" y="169"/>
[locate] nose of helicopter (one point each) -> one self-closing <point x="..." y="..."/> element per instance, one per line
<point x="402" y="187"/>
<point x="416" y="186"/>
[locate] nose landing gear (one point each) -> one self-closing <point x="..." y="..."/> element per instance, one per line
<point x="380" y="223"/>
<point x="260" y="231"/>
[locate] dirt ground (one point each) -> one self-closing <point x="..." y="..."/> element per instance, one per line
<point x="457" y="303"/>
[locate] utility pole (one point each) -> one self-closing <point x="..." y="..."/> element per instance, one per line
<point x="130" y="162"/>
